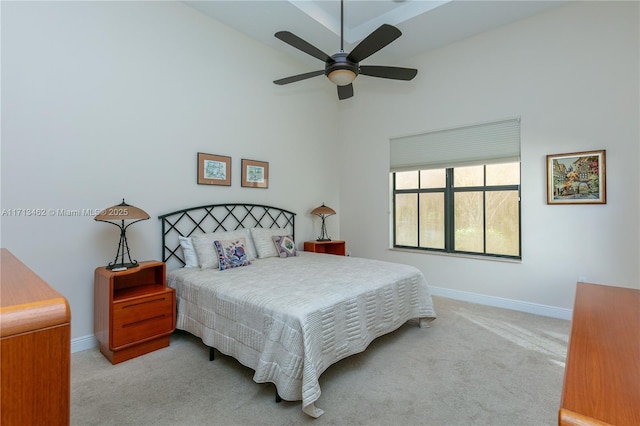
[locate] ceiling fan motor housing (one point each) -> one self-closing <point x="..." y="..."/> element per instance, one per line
<point x="341" y="63"/>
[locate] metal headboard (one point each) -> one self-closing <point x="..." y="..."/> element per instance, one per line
<point x="216" y="218"/>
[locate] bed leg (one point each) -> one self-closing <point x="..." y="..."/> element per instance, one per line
<point x="425" y="322"/>
<point x="278" y="398"/>
<point x="212" y="353"/>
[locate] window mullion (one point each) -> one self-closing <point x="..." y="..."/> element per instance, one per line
<point x="448" y="213"/>
<point x="418" y="211"/>
<point x="484" y="209"/>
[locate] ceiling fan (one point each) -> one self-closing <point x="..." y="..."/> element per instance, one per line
<point x="342" y="68"/>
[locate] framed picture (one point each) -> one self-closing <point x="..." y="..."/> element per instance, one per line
<point x="577" y="178"/>
<point x="255" y="174"/>
<point x="214" y="169"/>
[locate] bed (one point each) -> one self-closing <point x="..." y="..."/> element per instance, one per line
<point x="286" y="314"/>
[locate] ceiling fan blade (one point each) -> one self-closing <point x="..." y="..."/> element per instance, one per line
<point x="375" y="41"/>
<point x="395" y="73"/>
<point x="298" y="77"/>
<point x="300" y="44"/>
<point x="345" y="92"/>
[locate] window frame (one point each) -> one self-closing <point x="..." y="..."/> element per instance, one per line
<point x="449" y="192"/>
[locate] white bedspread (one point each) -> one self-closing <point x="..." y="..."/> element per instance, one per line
<point x="290" y="319"/>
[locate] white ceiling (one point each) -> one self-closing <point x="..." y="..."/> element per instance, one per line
<point x="425" y="24"/>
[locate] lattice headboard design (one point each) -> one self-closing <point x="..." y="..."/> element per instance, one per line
<point x="217" y="218"/>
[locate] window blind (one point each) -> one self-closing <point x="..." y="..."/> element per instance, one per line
<point x="486" y="143"/>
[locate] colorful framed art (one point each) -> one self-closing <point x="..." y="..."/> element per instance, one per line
<point x="577" y="178"/>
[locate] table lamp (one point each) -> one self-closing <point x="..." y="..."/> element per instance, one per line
<point x="121" y="213"/>
<point x="323" y="212"/>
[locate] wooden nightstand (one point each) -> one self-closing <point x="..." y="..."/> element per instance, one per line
<point x="134" y="310"/>
<point x="330" y="247"/>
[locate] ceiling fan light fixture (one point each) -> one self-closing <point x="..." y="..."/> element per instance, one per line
<point x="342" y="77"/>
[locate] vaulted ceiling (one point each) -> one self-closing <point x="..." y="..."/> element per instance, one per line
<point x="425" y="24"/>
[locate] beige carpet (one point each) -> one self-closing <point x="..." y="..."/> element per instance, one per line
<point x="476" y="365"/>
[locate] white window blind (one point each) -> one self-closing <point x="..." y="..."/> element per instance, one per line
<point x="487" y="143"/>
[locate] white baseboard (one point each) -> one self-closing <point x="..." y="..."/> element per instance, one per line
<point x="499" y="302"/>
<point x="83" y="343"/>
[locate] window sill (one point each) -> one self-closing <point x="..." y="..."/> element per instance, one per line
<point x="461" y="255"/>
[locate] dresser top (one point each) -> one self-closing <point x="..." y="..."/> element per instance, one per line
<point x="27" y="302"/>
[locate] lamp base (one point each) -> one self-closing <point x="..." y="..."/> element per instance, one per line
<point x="323" y="239"/>
<point x="122" y="266"/>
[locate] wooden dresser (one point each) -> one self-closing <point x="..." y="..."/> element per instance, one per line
<point x="602" y="376"/>
<point x="35" y="348"/>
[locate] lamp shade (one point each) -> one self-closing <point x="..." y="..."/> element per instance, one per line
<point x="122" y="211"/>
<point x="117" y="215"/>
<point x="323" y="211"/>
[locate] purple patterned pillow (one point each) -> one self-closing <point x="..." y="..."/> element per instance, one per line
<point x="285" y="245"/>
<point x="232" y="253"/>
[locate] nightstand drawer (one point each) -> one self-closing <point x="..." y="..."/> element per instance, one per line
<point x="141" y="318"/>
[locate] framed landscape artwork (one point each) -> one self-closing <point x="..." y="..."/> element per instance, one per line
<point x="255" y="174"/>
<point x="576" y="178"/>
<point x="214" y="169"/>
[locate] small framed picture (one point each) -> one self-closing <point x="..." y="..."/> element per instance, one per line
<point x="577" y="178"/>
<point x="214" y="169"/>
<point x="255" y="174"/>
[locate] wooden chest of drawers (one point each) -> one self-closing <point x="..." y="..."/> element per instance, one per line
<point x="35" y="348"/>
<point x="135" y="312"/>
<point x="602" y="376"/>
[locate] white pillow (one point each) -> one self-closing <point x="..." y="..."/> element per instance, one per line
<point x="265" y="247"/>
<point x="251" y="248"/>
<point x="206" y="251"/>
<point x="189" y="254"/>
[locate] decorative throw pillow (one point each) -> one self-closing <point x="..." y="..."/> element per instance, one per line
<point x="188" y="252"/>
<point x="285" y="245"/>
<point x="206" y="251"/>
<point x="232" y="253"/>
<point x="263" y="241"/>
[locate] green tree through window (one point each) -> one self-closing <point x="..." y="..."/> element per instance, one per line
<point x="473" y="210"/>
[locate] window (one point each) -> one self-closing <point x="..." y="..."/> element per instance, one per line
<point x="458" y="190"/>
<point x="473" y="210"/>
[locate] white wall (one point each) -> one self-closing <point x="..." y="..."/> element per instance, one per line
<point x="572" y="75"/>
<point x="105" y="100"/>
